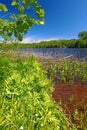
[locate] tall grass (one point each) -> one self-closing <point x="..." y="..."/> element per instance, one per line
<point x="68" y="71"/>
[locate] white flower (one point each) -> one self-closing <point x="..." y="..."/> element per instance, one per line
<point x="36" y="114"/>
<point x="21" y="128"/>
<point x="42" y="125"/>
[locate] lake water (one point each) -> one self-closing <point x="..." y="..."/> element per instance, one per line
<point x="56" y="52"/>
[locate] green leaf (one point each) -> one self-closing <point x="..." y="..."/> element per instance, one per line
<point x="3" y="7"/>
<point x="12" y="16"/>
<point x="21" y="10"/>
<point x="14" y="3"/>
<point x="39" y="11"/>
<point x="23" y="1"/>
<point x="20" y="23"/>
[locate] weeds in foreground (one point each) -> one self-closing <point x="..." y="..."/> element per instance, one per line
<point x="25" y="100"/>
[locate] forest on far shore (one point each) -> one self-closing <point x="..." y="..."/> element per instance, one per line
<point x="73" y="43"/>
<point x="81" y="42"/>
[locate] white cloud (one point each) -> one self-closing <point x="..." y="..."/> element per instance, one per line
<point x="33" y="39"/>
<point x="47" y="39"/>
<point x="28" y="40"/>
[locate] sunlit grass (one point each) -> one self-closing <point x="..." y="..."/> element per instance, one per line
<point x="25" y="100"/>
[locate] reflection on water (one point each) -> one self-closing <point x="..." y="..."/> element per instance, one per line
<point x="56" y="52"/>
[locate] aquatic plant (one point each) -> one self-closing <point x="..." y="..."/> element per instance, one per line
<point x="68" y="71"/>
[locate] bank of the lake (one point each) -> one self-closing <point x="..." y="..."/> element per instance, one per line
<point x="72" y="43"/>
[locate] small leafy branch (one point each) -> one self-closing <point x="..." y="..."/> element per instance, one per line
<point x="20" y="22"/>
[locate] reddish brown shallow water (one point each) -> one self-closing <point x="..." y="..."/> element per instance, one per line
<point x="72" y="97"/>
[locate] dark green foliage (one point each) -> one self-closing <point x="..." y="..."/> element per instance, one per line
<point x="73" y="43"/>
<point x="83" y="35"/>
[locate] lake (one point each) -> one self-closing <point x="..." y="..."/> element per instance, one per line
<point x="56" y="52"/>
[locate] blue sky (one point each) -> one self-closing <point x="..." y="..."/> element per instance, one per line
<point x="64" y="19"/>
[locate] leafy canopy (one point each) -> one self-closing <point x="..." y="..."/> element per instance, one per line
<point x="83" y="35"/>
<point x="18" y="24"/>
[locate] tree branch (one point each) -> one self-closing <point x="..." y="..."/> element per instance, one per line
<point x="6" y="15"/>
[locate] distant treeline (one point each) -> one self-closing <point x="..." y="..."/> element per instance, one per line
<point x="72" y="43"/>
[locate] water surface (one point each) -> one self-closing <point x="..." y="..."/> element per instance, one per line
<point x="56" y="52"/>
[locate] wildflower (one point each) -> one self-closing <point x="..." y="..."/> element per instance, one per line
<point x="21" y="128"/>
<point x="36" y="114"/>
<point x="42" y="125"/>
